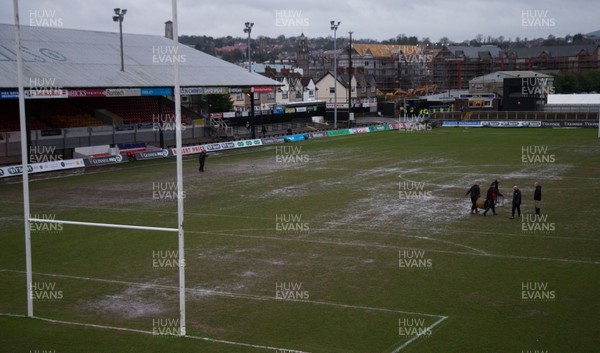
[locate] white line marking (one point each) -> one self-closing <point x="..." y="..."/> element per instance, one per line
<point x="150" y="333"/>
<point x="475" y="233"/>
<point x="407" y="343"/>
<point x="225" y="294"/>
<point x="105" y="225"/>
<point x="416" y="229"/>
<point x="326" y="242"/>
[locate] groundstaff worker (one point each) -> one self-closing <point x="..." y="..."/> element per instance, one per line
<point x="516" y="202"/>
<point x="475" y="192"/>
<point x="490" y="199"/>
<point x="201" y="160"/>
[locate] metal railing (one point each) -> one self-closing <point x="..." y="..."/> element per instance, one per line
<point x="495" y="115"/>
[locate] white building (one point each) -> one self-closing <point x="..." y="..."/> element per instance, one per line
<point x="326" y="91"/>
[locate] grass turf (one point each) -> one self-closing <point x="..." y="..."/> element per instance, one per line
<point x="354" y="227"/>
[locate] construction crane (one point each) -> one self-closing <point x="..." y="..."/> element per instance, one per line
<point x="411" y="93"/>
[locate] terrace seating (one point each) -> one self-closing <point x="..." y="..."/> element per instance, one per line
<point x="9" y="118"/>
<point x="69" y="113"/>
<point x="135" y="110"/>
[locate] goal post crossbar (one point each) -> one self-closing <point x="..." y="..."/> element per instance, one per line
<point x="104" y="225"/>
<point x="25" y="163"/>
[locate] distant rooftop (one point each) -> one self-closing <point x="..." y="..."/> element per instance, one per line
<point x="475" y="52"/>
<point x="499" y="76"/>
<point x="78" y="58"/>
<point x="385" y="50"/>
<point x="555" y="51"/>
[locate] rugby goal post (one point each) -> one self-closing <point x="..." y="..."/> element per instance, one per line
<point x="25" y="175"/>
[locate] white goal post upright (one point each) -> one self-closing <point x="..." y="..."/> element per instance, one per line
<point x="24" y="161"/>
<point x="25" y="173"/>
<point x="177" y="93"/>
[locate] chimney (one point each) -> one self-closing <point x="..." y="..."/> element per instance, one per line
<point x="169" y="29"/>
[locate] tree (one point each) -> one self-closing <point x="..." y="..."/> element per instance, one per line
<point x="578" y="38"/>
<point x="217" y="103"/>
<point x="572" y="82"/>
<point x="550" y="41"/>
<point x="233" y="56"/>
<point x="569" y="38"/>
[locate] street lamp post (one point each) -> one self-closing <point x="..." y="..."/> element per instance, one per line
<point x="350" y="79"/>
<point x="334" y="27"/>
<point x="118" y="17"/>
<point x="248" y="30"/>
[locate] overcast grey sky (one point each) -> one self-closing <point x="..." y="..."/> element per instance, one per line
<point x="376" y="19"/>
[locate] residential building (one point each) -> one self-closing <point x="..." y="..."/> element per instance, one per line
<point x="455" y="66"/>
<point x="565" y="58"/>
<point x="309" y="89"/>
<point x="326" y="91"/>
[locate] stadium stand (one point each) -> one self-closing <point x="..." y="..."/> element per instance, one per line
<point x="81" y="70"/>
<point x="63" y="113"/>
<point x="134" y="110"/>
<point x="59" y="114"/>
<point x="9" y="118"/>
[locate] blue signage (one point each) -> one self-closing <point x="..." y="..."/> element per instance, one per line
<point x="9" y="94"/>
<point x="157" y="92"/>
<point x="295" y="138"/>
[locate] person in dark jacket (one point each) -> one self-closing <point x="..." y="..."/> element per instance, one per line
<point x="201" y="159"/>
<point x="537" y="197"/>
<point x="490" y="199"/>
<point x="475" y="192"/>
<point x="497" y="192"/>
<point x="516" y="202"/>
